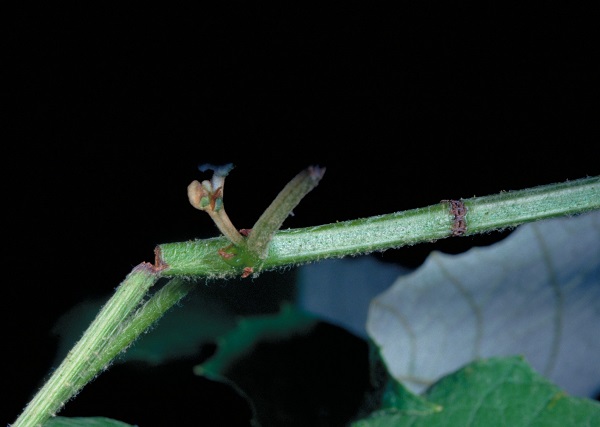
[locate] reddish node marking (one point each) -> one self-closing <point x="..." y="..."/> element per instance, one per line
<point x="458" y="210"/>
<point x="245" y="231"/>
<point x="213" y="198"/>
<point x="159" y="264"/>
<point x="224" y="254"/>
<point x="247" y="272"/>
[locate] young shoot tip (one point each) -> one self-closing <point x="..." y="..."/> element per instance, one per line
<point x="316" y="173"/>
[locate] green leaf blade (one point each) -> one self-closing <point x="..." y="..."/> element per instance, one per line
<point x="85" y="422"/>
<point x="251" y="330"/>
<point x="494" y="392"/>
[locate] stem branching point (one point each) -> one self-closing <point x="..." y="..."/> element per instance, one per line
<point x="450" y="218"/>
<point x="249" y="247"/>
<point x="124" y="317"/>
<point x="273" y="217"/>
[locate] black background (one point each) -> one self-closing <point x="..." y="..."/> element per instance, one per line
<point x="113" y="108"/>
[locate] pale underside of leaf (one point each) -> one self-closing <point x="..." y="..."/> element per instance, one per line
<point x="536" y="294"/>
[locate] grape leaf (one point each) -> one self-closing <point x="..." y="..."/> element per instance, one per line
<point x="251" y="330"/>
<point x="492" y="392"/>
<point x="339" y="290"/>
<point x="536" y="294"/>
<point x="84" y="422"/>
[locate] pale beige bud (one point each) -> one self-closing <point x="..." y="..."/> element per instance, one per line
<point x="195" y="194"/>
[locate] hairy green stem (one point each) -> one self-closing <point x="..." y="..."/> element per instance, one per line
<point x="362" y="236"/>
<point x="152" y="310"/>
<point x="115" y="327"/>
<point x="273" y="217"/>
<point x="84" y="361"/>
